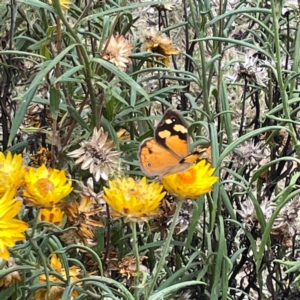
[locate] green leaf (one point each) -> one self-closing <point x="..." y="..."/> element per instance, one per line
<point x="76" y="116"/>
<point x="125" y="77"/>
<point x="19" y="147"/>
<point x="47" y="66"/>
<point x="244" y="138"/>
<point x="16" y="52"/>
<point x="217" y="268"/>
<point x="20" y="113"/>
<point x="65" y="76"/>
<point x="112" y="133"/>
<point x="197" y="211"/>
<point x="36" y="3"/>
<point x="30" y="93"/>
<point x="54" y="102"/>
<point x="237" y="42"/>
<point x="162" y="294"/>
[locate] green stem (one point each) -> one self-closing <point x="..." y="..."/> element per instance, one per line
<point x="165" y="248"/>
<point x="199" y="21"/>
<point x="281" y="84"/>
<point x="35" y="222"/>
<point x="84" y="60"/>
<point x="137" y="260"/>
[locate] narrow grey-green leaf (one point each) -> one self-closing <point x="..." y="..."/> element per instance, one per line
<point x="122" y="75"/>
<point x="54" y="102"/>
<point x="38" y="4"/>
<point x="20" y="113"/>
<point x="76" y="116"/>
<point x="48" y="66"/>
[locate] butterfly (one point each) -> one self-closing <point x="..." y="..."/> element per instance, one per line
<point x="168" y="151"/>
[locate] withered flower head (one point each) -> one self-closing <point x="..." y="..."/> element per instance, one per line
<point x="36" y="115"/>
<point x="117" y="50"/>
<point x="285" y="225"/>
<point x="71" y="236"/>
<point x="164" y="6"/>
<point x="112" y="261"/>
<point x="159" y="43"/>
<point x="89" y="191"/>
<point x="249" y="215"/>
<point x="84" y="216"/>
<point x="11" y="278"/>
<point x="127" y="267"/>
<point x="163" y="222"/>
<point x="185" y="215"/>
<point x="249" y="70"/>
<point x="249" y="154"/>
<point x="186" y="295"/>
<point x="42" y="156"/>
<point x="97" y="155"/>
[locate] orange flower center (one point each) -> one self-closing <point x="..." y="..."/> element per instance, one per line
<point x="188" y="177"/>
<point x="44" y="185"/>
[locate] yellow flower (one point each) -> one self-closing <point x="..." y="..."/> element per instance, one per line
<point x="63" y="3"/>
<point x="56" y="292"/>
<point x="159" y="43"/>
<point x="11" y="172"/>
<point x="11" y="230"/>
<point x="54" y="215"/>
<point x="191" y="183"/>
<point x="46" y="187"/>
<point x="134" y="200"/>
<point x="56" y="265"/>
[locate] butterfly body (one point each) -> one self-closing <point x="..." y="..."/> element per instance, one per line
<point x="168" y="151"/>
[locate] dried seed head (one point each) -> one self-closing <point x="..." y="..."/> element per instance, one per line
<point x="285" y="225"/>
<point x="97" y="155"/>
<point x="249" y="70"/>
<point x="117" y="51"/>
<point x="249" y="154"/>
<point x="249" y="215"/>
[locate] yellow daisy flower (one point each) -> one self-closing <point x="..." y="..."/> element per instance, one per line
<point x="134" y="200"/>
<point x="191" y="183"/>
<point x="11" y="230"/>
<point x="56" y="292"/>
<point x="54" y="215"/>
<point x="46" y="187"/>
<point x="11" y="172"/>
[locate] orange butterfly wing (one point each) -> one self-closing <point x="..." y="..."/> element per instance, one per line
<point x="168" y="152"/>
<point x="156" y="160"/>
<point x="171" y="133"/>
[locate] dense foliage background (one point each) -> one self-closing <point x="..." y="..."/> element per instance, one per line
<point x="234" y="73"/>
